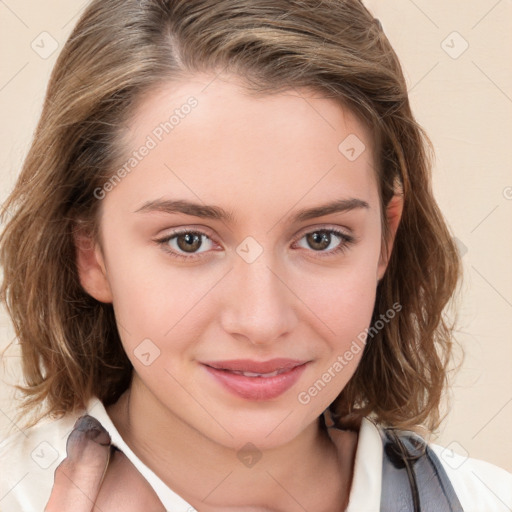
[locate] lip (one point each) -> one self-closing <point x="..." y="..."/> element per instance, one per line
<point x="249" y="365"/>
<point x="257" y="388"/>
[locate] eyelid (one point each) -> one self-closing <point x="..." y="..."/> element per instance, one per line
<point x="189" y="229"/>
<point x="326" y="227"/>
<point x="346" y="241"/>
<point x="163" y="240"/>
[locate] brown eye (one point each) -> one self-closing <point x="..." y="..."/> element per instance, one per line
<point x="186" y="244"/>
<point x="189" y="242"/>
<point x="327" y="242"/>
<point x="319" y="240"/>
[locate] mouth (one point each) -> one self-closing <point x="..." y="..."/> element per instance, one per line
<point x="256" y="380"/>
<point x="254" y="374"/>
<point x="256" y="368"/>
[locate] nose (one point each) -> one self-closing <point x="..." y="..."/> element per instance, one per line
<point x="258" y="303"/>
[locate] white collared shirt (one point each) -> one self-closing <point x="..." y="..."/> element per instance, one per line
<point x="29" y="458"/>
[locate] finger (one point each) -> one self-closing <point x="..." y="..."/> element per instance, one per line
<point x="78" y="477"/>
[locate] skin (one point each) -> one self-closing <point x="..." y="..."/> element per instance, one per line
<point x="87" y="450"/>
<point x="93" y="477"/>
<point x="263" y="158"/>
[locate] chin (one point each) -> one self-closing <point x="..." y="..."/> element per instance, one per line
<point x="263" y="429"/>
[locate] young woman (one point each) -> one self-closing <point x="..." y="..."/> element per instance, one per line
<point x="227" y="271"/>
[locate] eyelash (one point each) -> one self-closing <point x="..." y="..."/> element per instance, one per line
<point x="346" y="242"/>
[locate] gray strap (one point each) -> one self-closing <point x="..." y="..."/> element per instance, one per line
<point x="413" y="479"/>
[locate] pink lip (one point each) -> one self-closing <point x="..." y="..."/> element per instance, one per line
<point x="256" y="388"/>
<point x="248" y="365"/>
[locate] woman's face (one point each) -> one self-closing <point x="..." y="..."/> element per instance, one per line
<point x="216" y="248"/>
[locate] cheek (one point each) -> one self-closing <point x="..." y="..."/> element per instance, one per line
<point x="150" y="298"/>
<point x="345" y="309"/>
<point x="343" y="297"/>
<point x="153" y="310"/>
<point x="343" y="303"/>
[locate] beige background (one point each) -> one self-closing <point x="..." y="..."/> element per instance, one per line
<point x="462" y="96"/>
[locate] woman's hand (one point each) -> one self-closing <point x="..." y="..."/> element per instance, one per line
<point x="79" y="476"/>
<point x="96" y="477"/>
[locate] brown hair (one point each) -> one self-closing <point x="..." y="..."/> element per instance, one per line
<point x="123" y="49"/>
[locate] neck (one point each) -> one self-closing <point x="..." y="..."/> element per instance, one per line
<point x="215" y="477"/>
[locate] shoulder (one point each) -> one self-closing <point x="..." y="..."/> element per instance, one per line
<point x="28" y="459"/>
<point x="479" y="485"/>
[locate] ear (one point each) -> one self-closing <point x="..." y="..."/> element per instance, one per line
<point x="91" y="267"/>
<point x="393" y="214"/>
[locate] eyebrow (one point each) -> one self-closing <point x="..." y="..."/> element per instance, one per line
<point x="217" y="213"/>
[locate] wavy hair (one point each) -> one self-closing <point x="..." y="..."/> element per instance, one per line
<point x="121" y="50"/>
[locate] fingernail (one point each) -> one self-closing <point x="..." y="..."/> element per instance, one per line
<point x="86" y="429"/>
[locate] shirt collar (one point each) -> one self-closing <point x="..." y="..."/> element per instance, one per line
<point x="170" y="500"/>
<point x="367" y="477"/>
<point x="366" y="481"/>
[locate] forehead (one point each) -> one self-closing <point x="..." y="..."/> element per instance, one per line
<point x="209" y="139"/>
